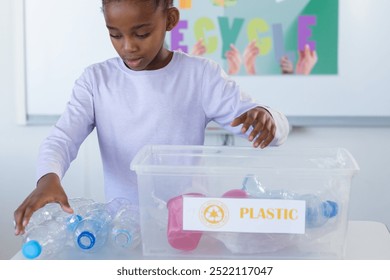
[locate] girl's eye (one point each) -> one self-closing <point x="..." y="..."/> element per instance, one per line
<point x="142" y="36"/>
<point x="115" y="36"/>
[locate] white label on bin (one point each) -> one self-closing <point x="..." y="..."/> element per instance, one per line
<point x="244" y="215"/>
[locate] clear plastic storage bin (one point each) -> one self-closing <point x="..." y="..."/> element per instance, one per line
<point x="243" y="203"/>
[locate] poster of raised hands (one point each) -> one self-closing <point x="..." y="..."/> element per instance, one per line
<point x="261" y="37"/>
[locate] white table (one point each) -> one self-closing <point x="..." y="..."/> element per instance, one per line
<point x="366" y="240"/>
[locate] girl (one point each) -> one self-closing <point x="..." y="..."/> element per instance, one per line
<point x="147" y="95"/>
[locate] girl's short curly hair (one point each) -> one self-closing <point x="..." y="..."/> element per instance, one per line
<point x="165" y="3"/>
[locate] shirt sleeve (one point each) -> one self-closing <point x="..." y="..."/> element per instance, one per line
<point x="282" y="127"/>
<point x="223" y="101"/>
<point x="61" y="146"/>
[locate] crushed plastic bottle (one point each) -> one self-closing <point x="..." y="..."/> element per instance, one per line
<point x="92" y="231"/>
<point x="125" y="232"/>
<point x="253" y="186"/>
<point x="43" y="214"/>
<point x="72" y="220"/>
<point x="54" y="211"/>
<point x="117" y="204"/>
<point x="79" y="202"/>
<point x="251" y="243"/>
<point x="45" y="240"/>
<point x="318" y="211"/>
<point x="69" y="220"/>
<point x="88" y="229"/>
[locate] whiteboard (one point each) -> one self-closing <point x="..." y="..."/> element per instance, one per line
<point x="61" y="43"/>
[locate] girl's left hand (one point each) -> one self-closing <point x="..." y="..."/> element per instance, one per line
<point x="264" y="127"/>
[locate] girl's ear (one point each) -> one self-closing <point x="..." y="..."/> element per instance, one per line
<point x="173" y="18"/>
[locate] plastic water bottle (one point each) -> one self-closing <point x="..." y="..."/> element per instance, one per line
<point x="72" y="220"/>
<point x="45" y="240"/>
<point x="253" y="186"/>
<point x="69" y="220"/>
<point x="318" y="212"/>
<point x="79" y="202"/>
<point x="54" y="211"/>
<point x="43" y="214"/>
<point x="116" y="204"/>
<point x="125" y="231"/>
<point x="254" y="243"/>
<point x="251" y="243"/>
<point x="92" y="231"/>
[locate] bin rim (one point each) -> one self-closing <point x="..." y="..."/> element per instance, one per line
<point x="137" y="164"/>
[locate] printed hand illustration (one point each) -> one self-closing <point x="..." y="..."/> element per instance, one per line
<point x="286" y="65"/>
<point x="306" y="61"/>
<point x="199" y="48"/>
<point x="250" y="54"/>
<point x="234" y="60"/>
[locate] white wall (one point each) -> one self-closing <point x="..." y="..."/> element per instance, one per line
<point x="19" y="146"/>
<point x="370" y="197"/>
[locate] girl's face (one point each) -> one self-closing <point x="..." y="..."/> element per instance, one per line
<point x="137" y="30"/>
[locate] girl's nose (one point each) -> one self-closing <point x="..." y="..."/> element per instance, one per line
<point x="129" y="45"/>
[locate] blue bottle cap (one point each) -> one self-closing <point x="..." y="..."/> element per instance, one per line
<point x="329" y="208"/>
<point x="31" y="249"/>
<point x="86" y="240"/>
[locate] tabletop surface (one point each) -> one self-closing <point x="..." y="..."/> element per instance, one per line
<point x="365" y="240"/>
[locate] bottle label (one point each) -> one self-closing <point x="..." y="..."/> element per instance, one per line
<point x="244" y="215"/>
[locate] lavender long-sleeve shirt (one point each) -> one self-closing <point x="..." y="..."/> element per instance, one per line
<point x="130" y="109"/>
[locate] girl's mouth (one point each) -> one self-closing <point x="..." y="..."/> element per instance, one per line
<point x="133" y="63"/>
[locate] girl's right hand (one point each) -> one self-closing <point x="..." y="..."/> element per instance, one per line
<point x="48" y="190"/>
